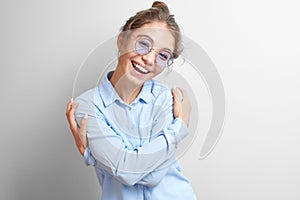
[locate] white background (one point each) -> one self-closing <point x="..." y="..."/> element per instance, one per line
<point x="255" y="46"/>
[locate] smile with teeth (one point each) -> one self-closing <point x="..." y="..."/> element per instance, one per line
<point x="139" y="68"/>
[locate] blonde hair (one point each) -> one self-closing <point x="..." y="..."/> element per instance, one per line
<point x="158" y="12"/>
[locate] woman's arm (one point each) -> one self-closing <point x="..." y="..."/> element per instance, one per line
<point x="145" y="165"/>
<point x="182" y="109"/>
<point x="79" y="134"/>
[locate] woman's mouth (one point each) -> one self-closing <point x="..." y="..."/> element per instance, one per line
<point x="139" y="68"/>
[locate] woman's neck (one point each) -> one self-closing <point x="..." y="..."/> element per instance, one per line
<point x="127" y="90"/>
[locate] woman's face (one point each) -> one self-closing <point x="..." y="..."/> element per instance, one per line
<point x="145" y="52"/>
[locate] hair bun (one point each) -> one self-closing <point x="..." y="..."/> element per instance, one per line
<point x="161" y="6"/>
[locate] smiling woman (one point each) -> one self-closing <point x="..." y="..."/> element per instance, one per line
<point x="131" y="125"/>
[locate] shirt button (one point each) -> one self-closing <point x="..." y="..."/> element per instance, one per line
<point x="129" y="108"/>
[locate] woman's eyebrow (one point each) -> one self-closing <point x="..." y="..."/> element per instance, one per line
<point x="147" y="36"/>
<point x="167" y="49"/>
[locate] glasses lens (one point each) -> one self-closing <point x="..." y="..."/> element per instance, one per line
<point x="143" y="46"/>
<point x="164" y="58"/>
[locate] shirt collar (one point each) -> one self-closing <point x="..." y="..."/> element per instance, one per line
<point x="109" y="94"/>
<point x="145" y="94"/>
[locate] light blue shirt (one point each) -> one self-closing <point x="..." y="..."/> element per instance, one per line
<point x="133" y="147"/>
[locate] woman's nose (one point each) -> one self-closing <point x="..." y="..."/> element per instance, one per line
<point x="149" y="58"/>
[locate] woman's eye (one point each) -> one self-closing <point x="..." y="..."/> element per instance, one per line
<point x="144" y="44"/>
<point x="163" y="56"/>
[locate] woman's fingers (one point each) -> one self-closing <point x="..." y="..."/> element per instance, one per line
<point x="185" y="98"/>
<point x="70" y="115"/>
<point x="186" y="106"/>
<point x="72" y="110"/>
<point x="69" y="106"/>
<point x="175" y="95"/>
<point x="79" y="134"/>
<point x="182" y="105"/>
<point x="177" y="103"/>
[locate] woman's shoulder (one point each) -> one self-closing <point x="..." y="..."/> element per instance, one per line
<point x="160" y="89"/>
<point x="87" y="96"/>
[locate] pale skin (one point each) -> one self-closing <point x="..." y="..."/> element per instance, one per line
<point x="128" y="82"/>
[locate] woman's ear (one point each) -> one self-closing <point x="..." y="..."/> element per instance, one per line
<point x="120" y="41"/>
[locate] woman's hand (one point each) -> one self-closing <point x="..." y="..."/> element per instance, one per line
<point x="79" y="134"/>
<point x="182" y="105"/>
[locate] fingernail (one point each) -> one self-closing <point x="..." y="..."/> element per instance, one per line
<point x="72" y="99"/>
<point x="85" y="116"/>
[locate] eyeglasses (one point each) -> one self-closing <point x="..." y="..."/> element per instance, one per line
<point x="144" y="46"/>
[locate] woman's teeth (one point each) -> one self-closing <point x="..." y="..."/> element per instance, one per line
<point x="139" y="68"/>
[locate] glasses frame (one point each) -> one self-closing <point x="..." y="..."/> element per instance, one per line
<point x="169" y="62"/>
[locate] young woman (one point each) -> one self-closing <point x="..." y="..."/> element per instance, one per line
<point x="134" y="123"/>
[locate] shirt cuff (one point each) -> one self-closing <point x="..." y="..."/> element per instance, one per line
<point x="180" y="130"/>
<point x="88" y="157"/>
